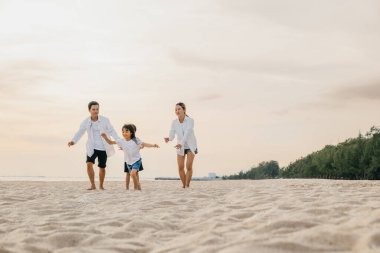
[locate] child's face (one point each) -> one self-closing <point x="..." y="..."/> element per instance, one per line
<point x="126" y="133"/>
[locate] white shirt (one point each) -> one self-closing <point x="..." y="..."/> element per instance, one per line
<point x="104" y="126"/>
<point x="131" y="150"/>
<point x="185" y="134"/>
<point x="98" y="139"/>
<point x="183" y="127"/>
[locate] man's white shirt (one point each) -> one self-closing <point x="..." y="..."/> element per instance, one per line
<point x="95" y="140"/>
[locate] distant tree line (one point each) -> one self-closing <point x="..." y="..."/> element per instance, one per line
<point x="357" y="158"/>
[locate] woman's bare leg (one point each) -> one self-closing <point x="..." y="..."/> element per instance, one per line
<point x="189" y="168"/>
<point x="181" y="169"/>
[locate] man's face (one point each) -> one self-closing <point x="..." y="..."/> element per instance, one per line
<point x="94" y="110"/>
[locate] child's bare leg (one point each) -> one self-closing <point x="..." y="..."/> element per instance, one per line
<point x="127" y="180"/>
<point x="138" y="179"/>
<point x="134" y="178"/>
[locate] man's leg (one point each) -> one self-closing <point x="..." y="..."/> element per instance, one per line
<point x="102" y="159"/>
<point x="102" y="175"/>
<point x="91" y="175"/>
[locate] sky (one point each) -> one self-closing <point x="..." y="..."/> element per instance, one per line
<point x="263" y="80"/>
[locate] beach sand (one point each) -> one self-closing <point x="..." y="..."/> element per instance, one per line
<point x="212" y="216"/>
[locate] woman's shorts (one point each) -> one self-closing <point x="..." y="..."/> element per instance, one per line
<point x="136" y="166"/>
<point x="187" y="150"/>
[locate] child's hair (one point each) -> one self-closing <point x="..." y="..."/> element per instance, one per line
<point x="131" y="128"/>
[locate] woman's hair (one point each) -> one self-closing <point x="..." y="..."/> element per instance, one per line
<point x="183" y="107"/>
<point x="131" y="128"/>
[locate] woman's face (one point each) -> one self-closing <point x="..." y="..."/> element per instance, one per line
<point x="179" y="111"/>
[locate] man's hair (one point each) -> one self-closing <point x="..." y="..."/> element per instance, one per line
<point x="91" y="104"/>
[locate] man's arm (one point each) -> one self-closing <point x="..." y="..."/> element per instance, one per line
<point x="79" y="134"/>
<point x="108" y="140"/>
<point x="112" y="131"/>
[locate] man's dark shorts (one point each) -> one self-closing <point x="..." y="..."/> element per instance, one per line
<point x="102" y="158"/>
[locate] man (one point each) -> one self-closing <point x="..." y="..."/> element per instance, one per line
<point x="97" y="147"/>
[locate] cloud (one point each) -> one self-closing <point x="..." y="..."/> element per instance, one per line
<point x="368" y="91"/>
<point x="20" y="79"/>
<point x="211" y="96"/>
<point x="19" y="76"/>
<point x="313" y="106"/>
<point x="338" y="98"/>
<point x="279" y="63"/>
<point x="312" y="16"/>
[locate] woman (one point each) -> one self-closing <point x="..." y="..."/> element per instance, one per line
<point x="186" y="146"/>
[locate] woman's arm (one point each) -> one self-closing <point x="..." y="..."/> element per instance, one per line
<point x="171" y="133"/>
<point x="108" y="140"/>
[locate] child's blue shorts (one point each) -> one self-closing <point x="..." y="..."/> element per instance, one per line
<point x="135" y="166"/>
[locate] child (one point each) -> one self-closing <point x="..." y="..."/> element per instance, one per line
<point x="132" y="158"/>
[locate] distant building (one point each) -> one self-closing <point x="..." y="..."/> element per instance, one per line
<point x="212" y="175"/>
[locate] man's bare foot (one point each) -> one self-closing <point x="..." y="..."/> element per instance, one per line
<point x="101" y="188"/>
<point x="91" y="188"/>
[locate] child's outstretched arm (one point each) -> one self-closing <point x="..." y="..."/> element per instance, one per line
<point x="148" y="145"/>
<point x="107" y="140"/>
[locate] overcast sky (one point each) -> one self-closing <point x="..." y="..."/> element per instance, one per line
<point x="263" y="80"/>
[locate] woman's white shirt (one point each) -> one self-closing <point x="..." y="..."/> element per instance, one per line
<point x="185" y="134"/>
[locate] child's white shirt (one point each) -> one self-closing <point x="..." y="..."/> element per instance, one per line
<point x="131" y="150"/>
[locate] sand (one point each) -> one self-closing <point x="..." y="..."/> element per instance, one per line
<point x="215" y="216"/>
